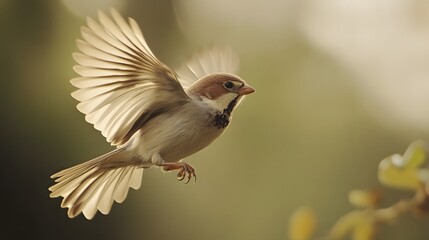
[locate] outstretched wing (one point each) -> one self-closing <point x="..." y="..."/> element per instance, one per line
<point x="215" y="59"/>
<point x="122" y="82"/>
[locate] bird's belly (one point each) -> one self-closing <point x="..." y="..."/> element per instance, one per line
<point x="175" y="138"/>
<point x="187" y="145"/>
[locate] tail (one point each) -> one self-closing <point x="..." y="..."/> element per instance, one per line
<point x="96" y="183"/>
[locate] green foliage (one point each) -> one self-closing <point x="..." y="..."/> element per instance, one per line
<point x="402" y="172"/>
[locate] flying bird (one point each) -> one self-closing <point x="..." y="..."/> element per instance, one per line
<point x="152" y="115"/>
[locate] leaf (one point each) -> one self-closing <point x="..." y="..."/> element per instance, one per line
<point x="403" y="171"/>
<point x="415" y="154"/>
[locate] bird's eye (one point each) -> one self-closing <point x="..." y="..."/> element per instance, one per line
<point x="228" y="85"/>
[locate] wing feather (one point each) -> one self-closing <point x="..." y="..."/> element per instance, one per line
<point x="92" y="51"/>
<point x="89" y="61"/>
<point x="120" y="78"/>
<point x="88" y="82"/>
<point x="215" y="59"/>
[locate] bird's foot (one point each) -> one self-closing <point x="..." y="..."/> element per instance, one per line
<point x="186" y="170"/>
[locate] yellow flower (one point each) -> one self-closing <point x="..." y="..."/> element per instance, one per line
<point x="302" y="224"/>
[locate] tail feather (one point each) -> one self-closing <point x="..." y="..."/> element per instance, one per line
<point x="90" y="186"/>
<point x="87" y="163"/>
<point x="106" y="200"/>
<point x="136" y="179"/>
<point x="121" y="190"/>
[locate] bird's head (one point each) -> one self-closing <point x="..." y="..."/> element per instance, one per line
<point x="220" y="90"/>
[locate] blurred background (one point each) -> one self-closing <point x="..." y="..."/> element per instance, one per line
<point x="340" y="86"/>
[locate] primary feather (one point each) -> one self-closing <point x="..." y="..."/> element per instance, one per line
<point x="121" y="79"/>
<point x="215" y="59"/>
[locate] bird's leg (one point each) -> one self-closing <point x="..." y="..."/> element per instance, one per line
<point x="185" y="169"/>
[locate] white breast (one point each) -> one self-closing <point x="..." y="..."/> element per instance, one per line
<point x="177" y="134"/>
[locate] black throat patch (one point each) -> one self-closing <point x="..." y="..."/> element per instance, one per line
<point x="222" y="119"/>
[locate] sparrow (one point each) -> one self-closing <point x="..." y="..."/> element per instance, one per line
<point x="152" y="115"/>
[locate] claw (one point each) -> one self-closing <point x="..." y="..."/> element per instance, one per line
<point x="181" y="174"/>
<point x="186" y="171"/>
<point x="190" y="171"/>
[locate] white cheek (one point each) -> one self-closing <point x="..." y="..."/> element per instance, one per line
<point x="221" y="102"/>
